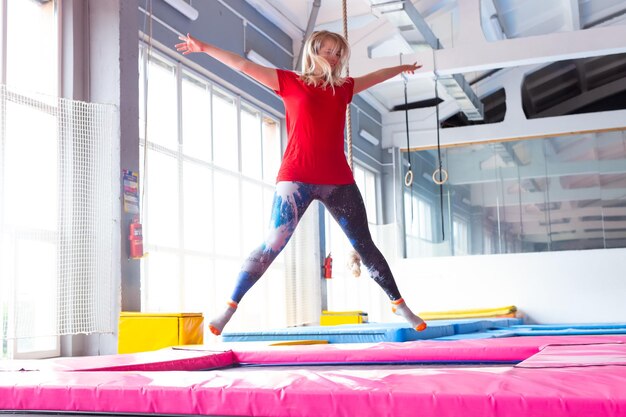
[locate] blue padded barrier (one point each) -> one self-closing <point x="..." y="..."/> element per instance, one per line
<point x="374" y="332"/>
<point x="571" y="329"/>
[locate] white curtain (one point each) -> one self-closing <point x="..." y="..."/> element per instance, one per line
<point x="303" y="271"/>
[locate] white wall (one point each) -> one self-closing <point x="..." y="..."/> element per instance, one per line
<point x="555" y="287"/>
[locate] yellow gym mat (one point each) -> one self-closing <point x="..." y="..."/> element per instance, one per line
<point x="507" y="311"/>
<point x="332" y="318"/>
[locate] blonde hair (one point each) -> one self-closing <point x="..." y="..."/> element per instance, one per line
<point x="315" y="69"/>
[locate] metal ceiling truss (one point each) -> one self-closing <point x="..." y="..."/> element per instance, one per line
<point x="456" y="85"/>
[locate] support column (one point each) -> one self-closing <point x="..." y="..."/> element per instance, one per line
<point x="109" y="47"/>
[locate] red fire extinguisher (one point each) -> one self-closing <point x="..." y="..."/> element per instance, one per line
<point x="328" y="267"/>
<point x="136" y="239"/>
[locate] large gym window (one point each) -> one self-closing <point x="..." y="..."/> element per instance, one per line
<point x="26" y="231"/>
<point x="56" y="193"/>
<point x="208" y="167"/>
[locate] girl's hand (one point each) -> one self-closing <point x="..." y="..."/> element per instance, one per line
<point x="410" y="68"/>
<point x="189" y="45"/>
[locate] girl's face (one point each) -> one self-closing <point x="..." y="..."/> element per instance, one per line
<point x="327" y="51"/>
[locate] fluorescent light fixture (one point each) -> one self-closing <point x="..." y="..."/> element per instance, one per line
<point x="184" y="8"/>
<point x="369" y="137"/>
<point x="254" y="56"/>
<point x="389" y="6"/>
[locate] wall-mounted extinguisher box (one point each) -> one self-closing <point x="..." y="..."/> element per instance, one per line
<point x="135" y="237"/>
<point x="328" y="267"/>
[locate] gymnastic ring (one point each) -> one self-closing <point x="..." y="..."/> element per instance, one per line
<point x="408" y="178"/>
<point x="445" y="176"/>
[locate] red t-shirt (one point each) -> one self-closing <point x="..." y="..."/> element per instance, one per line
<point x="315" y="122"/>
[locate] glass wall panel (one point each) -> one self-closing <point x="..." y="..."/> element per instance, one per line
<point x="611" y="226"/>
<point x="548" y="194"/>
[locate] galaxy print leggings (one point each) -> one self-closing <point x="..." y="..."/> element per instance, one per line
<point x="345" y="204"/>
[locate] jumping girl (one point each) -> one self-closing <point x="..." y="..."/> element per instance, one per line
<point x="314" y="166"/>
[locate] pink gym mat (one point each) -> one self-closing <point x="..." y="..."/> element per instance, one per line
<point x="161" y="360"/>
<point x="509" y="349"/>
<point x="557" y="376"/>
<point x="564" y="356"/>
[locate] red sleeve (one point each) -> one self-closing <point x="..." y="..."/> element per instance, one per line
<point x="349" y="89"/>
<point x="283" y="78"/>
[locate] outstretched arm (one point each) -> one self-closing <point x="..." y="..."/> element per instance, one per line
<point x="265" y="75"/>
<point x="373" y="78"/>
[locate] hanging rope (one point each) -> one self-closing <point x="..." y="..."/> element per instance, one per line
<point x="354" y="259"/>
<point x="440" y="175"/>
<point x="148" y="17"/>
<point x="408" y="178"/>
<point x="344" y="11"/>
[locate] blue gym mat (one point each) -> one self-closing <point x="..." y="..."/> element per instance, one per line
<point x="377" y="332"/>
<point x="570" y="329"/>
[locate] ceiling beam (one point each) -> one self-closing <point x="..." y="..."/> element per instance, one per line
<point x="573" y="11"/>
<point x="421" y="25"/>
<point x="456" y="85"/>
<point x="506" y="53"/>
<point x="515" y="125"/>
<point x="315" y="9"/>
<point x="533" y="50"/>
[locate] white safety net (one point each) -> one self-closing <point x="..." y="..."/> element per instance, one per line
<point x="56" y="216"/>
